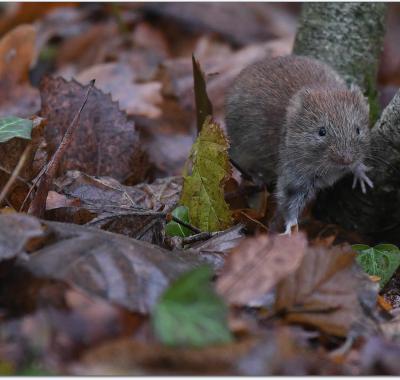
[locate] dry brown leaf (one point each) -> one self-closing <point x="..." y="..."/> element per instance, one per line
<point x="257" y="264"/>
<point x="105" y="143"/>
<point x="327" y="291"/>
<point x="118" y="79"/>
<point x="17" y="54"/>
<point x="130" y="357"/>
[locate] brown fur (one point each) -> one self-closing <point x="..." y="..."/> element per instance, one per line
<point x="274" y="112"/>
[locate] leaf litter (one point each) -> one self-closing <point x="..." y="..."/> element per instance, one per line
<point x="80" y="288"/>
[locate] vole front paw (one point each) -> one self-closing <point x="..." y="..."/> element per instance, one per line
<point x="289" y="225"/>
<point x="360" y="175"/>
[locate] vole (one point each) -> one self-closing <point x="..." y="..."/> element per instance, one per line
<point x="293" y="121"/>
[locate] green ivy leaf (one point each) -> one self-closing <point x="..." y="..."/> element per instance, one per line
<point x="190" y="313"/>
<point x="12" y="126"/>
<point x="175" y="229"/>
<point x="203" y="190"/>
<point x="381" y="260"/>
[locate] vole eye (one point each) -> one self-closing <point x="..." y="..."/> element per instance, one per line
<point x="358" y="131"/>
<point x="322" y="131"/>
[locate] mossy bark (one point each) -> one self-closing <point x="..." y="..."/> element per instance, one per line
<point x="349" y="37"/>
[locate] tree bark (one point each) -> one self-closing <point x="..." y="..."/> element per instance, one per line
<point x="349" y="37"/>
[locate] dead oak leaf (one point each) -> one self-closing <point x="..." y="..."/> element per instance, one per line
<point x="118" y="79"/>
<point x="105" y="144"/>
<point x="257" y="264"/>
<point x="328" y="291"/>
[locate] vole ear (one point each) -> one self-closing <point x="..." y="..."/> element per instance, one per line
<point x="297" y="103"/>
<point x="355" y="89"/>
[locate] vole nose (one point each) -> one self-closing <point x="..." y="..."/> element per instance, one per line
<point x="342" y="159"/>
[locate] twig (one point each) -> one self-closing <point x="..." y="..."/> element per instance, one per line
<point x="199" y="237"/>
<point x="185" y="224"/>
<point x="23" y="180"/>
<point x="15" y="174"/>
<point x="38" y="204"/>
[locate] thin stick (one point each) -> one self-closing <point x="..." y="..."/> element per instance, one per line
<point x="15" y="174"/>
<point x="185" y="224"/>
<point x="199" y="237"/>
<point x="23" y="180"/>
<point x="38" y="204"/>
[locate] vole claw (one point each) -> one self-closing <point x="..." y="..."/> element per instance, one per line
<point x="360" y="175"/>
<point x="289" y="225"/>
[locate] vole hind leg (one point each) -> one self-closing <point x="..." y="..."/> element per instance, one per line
<point x="291" y="201"/>
<point x="289" y="225"/>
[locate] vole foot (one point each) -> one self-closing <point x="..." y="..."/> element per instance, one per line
<point x="360" y="175"/>
<point x="289" y="225"/>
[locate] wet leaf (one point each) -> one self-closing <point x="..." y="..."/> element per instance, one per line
<point x="175" y="229"/>
<point x="128" y="272"/>
<point x="381" y="260"/>
<point x="18" y="235"/>
<point x="11" y="127"/>
<point x="109" y="137"/>
<point x="328" y="291"/>
<point x="257" y="264"/>
<point x="203" y="190"/>
<point x="189" y="313"/>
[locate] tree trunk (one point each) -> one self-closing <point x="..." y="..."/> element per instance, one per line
<point x="349" y="37"/>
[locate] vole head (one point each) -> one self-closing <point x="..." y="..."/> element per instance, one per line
<point x="328" y="127"/>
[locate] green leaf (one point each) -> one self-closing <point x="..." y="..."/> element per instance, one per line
<point x="12" y="126"/>
<point x="175" y="229"/>
<point x="203" y="104"/>
<point x="203" y="190"/>
<point x="190" y="313"/>
<point x="381" y="260"/>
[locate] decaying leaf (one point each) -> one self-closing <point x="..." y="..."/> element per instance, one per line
<point x="190" y="313"/>
<point x="18" y="235"/>
<point x="128" y="272"/>
<point x="106" y="193"/>
<point x="257" y="264"/>
<point x="104" y="203"/>
<point x="327" y="291"/>
<point x="203" y="190"/>
<point x="111" y="146"/>
<point x="10" y="154"/>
